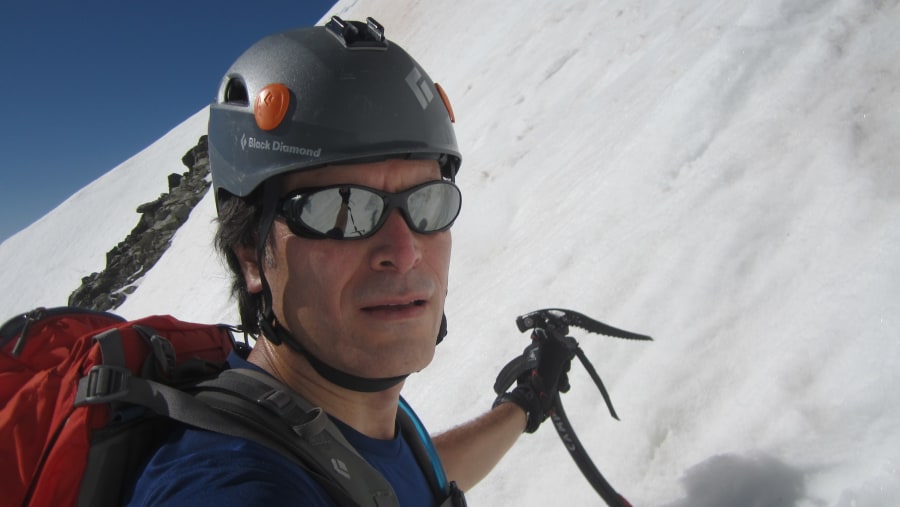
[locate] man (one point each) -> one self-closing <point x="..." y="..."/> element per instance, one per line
<point x="333" y="159"/>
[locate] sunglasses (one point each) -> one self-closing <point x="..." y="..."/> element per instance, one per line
<point x="357" y="212"/>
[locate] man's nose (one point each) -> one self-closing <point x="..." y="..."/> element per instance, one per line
<point x="397" y="248"/>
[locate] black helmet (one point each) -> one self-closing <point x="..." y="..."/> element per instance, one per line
<point x="334" y="94"/>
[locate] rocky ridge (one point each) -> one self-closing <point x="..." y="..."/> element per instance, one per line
<point x="128" y="261"/>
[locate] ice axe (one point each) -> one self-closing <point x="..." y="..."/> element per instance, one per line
<point x="553" y="325"/>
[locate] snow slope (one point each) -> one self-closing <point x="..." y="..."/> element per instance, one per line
<point x="721" y="175"/>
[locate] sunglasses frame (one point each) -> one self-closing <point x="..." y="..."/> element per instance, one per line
<point x="391" y="201"/>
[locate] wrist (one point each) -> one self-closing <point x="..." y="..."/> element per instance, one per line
<point x="510" y="411"/>
<point x="525" y="400"/>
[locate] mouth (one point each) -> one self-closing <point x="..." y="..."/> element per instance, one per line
<point x="396" y="307"/>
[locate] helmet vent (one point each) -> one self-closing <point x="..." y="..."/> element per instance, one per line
<point x="236" y="92"/>
<point x="358" y="35"/>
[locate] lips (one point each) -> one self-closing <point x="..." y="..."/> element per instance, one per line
<point x="395" y="307"/>
<point x="393" y="297"/>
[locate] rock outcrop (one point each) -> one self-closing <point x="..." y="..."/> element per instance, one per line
<point x="128" y="261"/>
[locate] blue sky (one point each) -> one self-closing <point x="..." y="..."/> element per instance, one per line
<point x="88" y="84"/>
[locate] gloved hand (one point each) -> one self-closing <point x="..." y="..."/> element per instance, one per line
<point x="540" y="373"/>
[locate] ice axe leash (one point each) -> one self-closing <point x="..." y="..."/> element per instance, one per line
<point x="553" y="325"/>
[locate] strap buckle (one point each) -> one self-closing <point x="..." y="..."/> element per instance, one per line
<point x="103" y="384"/>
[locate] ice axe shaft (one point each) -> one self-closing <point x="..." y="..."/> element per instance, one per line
<point x="579" y="455"/>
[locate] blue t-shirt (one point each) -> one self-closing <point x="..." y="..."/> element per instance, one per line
<point x="197" y="467"/>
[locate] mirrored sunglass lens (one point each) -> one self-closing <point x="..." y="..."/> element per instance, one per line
<point x="342" y="212"/>
<point x="434" y="207"/>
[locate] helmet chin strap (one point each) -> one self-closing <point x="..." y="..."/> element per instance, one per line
<point x="277" y="334"/>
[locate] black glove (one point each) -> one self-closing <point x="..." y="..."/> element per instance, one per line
<point x="540" y="374"/>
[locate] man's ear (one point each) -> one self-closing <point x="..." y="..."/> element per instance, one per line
<point x="250" y="267"/>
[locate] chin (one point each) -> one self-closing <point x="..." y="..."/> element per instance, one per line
<point x="397" y="357"/>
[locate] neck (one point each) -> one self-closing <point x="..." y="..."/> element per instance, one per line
<point x="372" y="414"/>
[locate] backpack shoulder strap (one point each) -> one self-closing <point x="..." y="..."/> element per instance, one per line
<point x="322" y="444"/>
<point x="301" y="431"/>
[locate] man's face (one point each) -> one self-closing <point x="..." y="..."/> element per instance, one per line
<point x="371" y="307"/>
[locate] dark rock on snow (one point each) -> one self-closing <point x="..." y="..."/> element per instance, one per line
<point x="128" y="261"/>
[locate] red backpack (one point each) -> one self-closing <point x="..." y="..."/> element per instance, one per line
<point x="85" y="397"/>
<point x="56" y="448"/>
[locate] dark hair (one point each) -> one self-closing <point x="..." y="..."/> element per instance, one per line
<point x="238" y="227"/>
